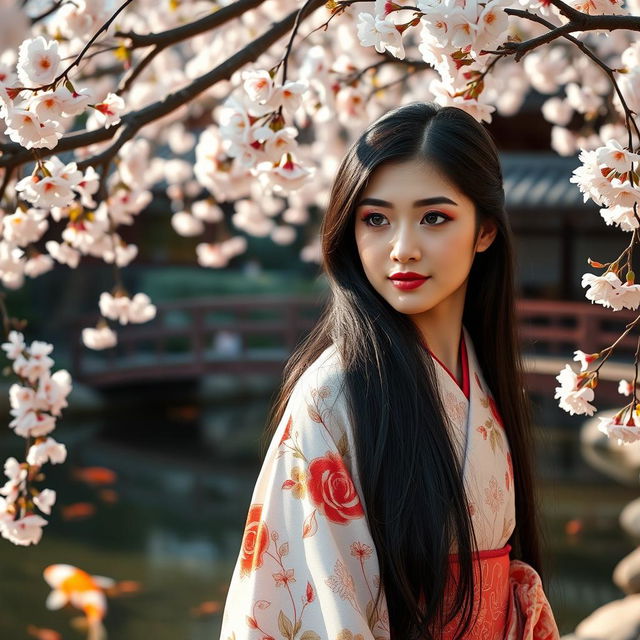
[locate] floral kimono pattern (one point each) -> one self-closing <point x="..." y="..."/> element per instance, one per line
<point x="308" y="569"/>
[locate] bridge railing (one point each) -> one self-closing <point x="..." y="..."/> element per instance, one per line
<point x="189" y="338"/>
<point x="247" y="334"/>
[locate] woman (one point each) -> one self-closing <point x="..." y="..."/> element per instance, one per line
<point x="397" y="486"/>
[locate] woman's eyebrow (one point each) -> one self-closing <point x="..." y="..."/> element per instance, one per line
<point x="376" y="202"/>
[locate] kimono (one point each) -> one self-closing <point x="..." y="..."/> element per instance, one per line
<point x="307" y="567"/>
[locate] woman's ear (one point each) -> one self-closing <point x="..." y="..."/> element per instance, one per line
<point x="488" y="231"/>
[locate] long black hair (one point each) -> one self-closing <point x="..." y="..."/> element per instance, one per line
<point x="410" y="474"/>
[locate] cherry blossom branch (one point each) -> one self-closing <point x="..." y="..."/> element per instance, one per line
<point x="52" y="9"/>
<point x="389" y="59"/>
<point x="309" y="4"/>
<point x="594" y="23"/>
<point x="14" y="154"/>
<point x="519" y="49"/>
<point x="186" y="31"/>
<point x="79" y="57"/>
<point x="161" y="41"/>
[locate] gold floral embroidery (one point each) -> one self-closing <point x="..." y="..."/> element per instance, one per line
<point x="494" y="495"/>
<point x="345" y="634"/>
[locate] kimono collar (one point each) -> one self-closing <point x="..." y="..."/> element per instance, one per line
<point x="463" y="359"/>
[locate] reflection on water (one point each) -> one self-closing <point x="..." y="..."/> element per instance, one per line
<point x="184" y="481"/>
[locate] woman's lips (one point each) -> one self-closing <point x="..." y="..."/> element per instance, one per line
<point x="406" y="284"/>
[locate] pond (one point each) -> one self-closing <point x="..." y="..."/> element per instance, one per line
<point x="172" y="521"/>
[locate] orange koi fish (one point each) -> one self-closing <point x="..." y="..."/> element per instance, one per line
<point x="40" y="633"/>
<point x="77" y="511"/>
<point x="71" y="585"/>
<point x="95" y="476"/>
<point x="108" y="495"/>
<point x="206" y="608"/>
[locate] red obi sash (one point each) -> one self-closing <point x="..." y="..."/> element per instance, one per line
<point x="513" y="605"/>
<point x="492" y="608"/>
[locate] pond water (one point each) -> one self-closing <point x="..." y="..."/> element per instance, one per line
<point x="173" y="520"/>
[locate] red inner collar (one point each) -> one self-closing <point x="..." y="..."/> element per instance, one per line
<point x="463" y="359"/>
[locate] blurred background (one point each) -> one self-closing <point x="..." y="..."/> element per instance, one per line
<point x="167" y="426"/>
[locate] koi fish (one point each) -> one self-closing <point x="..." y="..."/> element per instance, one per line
<point x="77" y="511"/>
<point x="108" y="495"/>
<point x="573" y="527"/>
<point x="40" y="633"/>
<point x="95" y="475"/>
<point x="124" y="586"/>
<point x="71" y="585"/>
<point x="206" y="608"/>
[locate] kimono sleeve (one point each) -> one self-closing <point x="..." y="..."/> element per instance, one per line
<point x="307" y="567"/>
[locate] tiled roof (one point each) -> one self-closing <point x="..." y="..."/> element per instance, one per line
<point x="534" y="180"/>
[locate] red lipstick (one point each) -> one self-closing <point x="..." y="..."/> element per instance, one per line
<point x="406" y="280"/>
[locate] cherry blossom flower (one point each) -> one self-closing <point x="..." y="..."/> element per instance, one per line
<point x="207" y="211"/>
<point x="622" y="216"/>
<point x="53" y="389"/>
<point x="88" y="185"/>
<point x="628" y="296"/>
<point x="572" y="399"/>
<point x="602" y="289"/>
<point x="14" y="345"/>
<point x="74" y="102"/>
<point x="37" y="264"/>
<point x="35" y="403"/>
<point x="99" y="338"/>
<point x="288" y="96"/>
<point x="63" y="253"/>
<point x="45" y="500"/>
<point x="12" y="265"/>
<point x="258" y="84"/>
<point x="46" y="451"/>
<point x="281" y="142"/>
<point x="493" y="24"/>
<point x="627" y="433"/>
<point x="186" y="224"/>
<point x="32" y="424"/>
<point x="613" y="155"/>
<point x="24" y="227"/>
<point x="136" y="310"/>
<point x="210" y="254"/>
<point x="585" y="359"/>
<point x="283" y="234"/>
<point x="444" y="95"/>
<point x="119" y="252"/>
<point x="289" y="174"/>
<point x="25" y="128"/>
<point x="38" y="61"/>
<point x="381" y="34"/>
<point x="108" y="112"/>
<point x="141" y="309"/>
<point x="24" y="531"/>
<point x="625" y="387"/>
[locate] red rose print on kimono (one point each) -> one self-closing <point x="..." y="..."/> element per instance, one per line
<point x="332" y="490"/>
<point x="255" y="540"/>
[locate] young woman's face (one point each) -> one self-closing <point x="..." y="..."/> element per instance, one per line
<point x="410" y="218"/>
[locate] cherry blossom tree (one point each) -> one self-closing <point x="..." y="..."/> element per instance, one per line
<point x="267" y="95"/>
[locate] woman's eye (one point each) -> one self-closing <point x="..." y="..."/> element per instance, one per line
<point x="369" y="216"/>
<point x="431" y="217"/>
<point x="433" y="214"/>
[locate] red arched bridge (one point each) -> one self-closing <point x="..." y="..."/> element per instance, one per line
<point x="255" y="334"/>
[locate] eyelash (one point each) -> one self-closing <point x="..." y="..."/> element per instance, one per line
<point x="370" y="214"/>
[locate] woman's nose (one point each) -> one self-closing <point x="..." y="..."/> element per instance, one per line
<point x="405" y="246"/>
